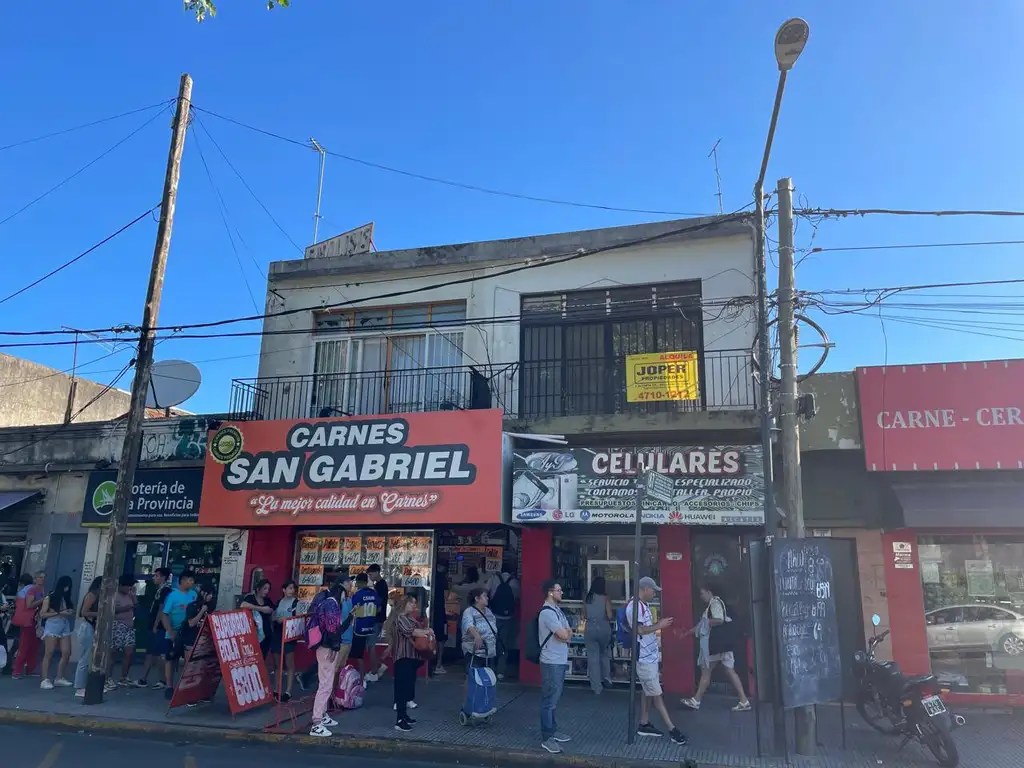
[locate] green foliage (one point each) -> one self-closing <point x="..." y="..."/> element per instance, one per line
<point x="204" y="8"/>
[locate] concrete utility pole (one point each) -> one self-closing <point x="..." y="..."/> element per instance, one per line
<point x="805" y="717"/>
<point x="137" y="412"/>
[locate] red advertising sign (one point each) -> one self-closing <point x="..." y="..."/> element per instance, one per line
<point x="943" y="416"/>
<point x="227" y="649"/>
<point x="414" y="469"/>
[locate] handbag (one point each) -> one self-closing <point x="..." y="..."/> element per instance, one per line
<point x="425" y="645"/>
<point x="722" y="638"/>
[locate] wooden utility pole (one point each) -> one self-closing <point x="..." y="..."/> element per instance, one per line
<point x="137" y="413"/>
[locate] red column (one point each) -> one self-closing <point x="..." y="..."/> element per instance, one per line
<point x="537" y="568"/>
<point x="678" y="653"/>
<point x="906" y="606"/>
<point x="271" y="549"/>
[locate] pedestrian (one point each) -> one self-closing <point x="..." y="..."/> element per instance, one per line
<point x="286" y="609"/>
<point x="258" y="601"/>
<point x="364" y="625"/>
<point x="26" y="609"/>
<point x="195" y="614"/>
<point x="598" y="636"/>
<point x="380" y="587"/>
<point x="714" y="631"/>
<point x="123" y="635"/>
<point x="479" y="635"/>
<point x="504" y="602"/>
<point x="439" y="617"/>
<point x="158" y="645"/>
<point x="323" y="635"/>
<point x="88" y="611"/>
<point x="172" y="617"/>
<point x="401" y="629"/>
<point x="57" y="614"/>
<point x="648" y="659"/>
<point x="553" y="635"/>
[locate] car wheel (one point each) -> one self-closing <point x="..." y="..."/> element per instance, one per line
<point x="1012" y="645"/>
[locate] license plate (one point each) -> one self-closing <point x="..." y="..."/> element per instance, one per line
<point x="933" y="706"/>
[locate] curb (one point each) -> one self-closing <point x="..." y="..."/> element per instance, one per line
<point x="421" y="751"/>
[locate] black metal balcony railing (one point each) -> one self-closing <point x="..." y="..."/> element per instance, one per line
<point x="525" y="390"/>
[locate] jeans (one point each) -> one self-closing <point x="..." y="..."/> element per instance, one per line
<point x="405" y="685"/>
<point x="325" y="672"/>
<point x="552" y="680"/>
<point x="508" y="632"/>
<point x="85" y="635"/>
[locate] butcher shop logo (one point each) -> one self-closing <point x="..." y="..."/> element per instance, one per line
<point x="332" y="455"/>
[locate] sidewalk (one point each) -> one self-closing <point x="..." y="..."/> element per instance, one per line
<point x="597" y="724"/>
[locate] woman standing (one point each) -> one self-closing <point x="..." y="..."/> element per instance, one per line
<point x="123" y="631"/>
<point x="439" y="617"/>
<point x="87" y="612"/>
<point x="479" y="636"/>
<point x="285" y="610"/>
<point x="262" y="607"/>
<point x="57" y="614"/>
<point x="715" y="648"/>
<point x="400" y="629"/>
<point x="26" y="607"/>
<point x="598" y="636"/>
<point x="323" y="634"/>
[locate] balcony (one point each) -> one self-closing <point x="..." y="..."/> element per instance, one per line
<point x="527" y="391"/>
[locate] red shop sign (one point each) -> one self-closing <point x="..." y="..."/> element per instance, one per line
<point x="943" y="416"/>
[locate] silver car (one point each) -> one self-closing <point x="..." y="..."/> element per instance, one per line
<point x="966" y="627"/>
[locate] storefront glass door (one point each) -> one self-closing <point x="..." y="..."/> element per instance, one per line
<point x="718" y="562"/>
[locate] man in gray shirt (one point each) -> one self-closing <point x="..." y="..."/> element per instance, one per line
<point x="553" y="635"/>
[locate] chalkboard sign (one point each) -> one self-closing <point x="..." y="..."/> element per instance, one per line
<point x="805" y="618"/>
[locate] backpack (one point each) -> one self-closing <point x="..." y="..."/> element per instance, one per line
<point x="533" y="644"/>
<point x="349" y="690"/>
<point x="623" y="631"/>
<point x="503" y="604"/>
<point x="314" y="633"/>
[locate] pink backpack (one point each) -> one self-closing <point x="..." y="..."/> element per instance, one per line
<point x="348" y="691"/>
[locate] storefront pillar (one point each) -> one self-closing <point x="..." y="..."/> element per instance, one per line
<point x="536" y="545"/>
<point x="271" y="550"/>
<point x="676" y="601"/>
<point x="906" y="604"/>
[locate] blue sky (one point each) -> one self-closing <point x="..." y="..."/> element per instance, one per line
<point x="902" y="105"/>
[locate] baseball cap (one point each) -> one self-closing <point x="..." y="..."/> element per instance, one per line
<point x="648" y="582"/>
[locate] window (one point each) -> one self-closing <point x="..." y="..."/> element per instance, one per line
<point x="390" y="360"/>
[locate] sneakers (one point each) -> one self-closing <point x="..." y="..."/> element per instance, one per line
<point x="159" y="685"/>
<point x="561" y="738"/>
<point x="80" y="693"/>
<point x="46" y="685"/>
<point x="320" y="730"/>
<point x="439" y="670"/>
<point x="60" y="682"/>
<point x="124" y="682"/>
<point x="692" y="703"/>
<point x="677" y="737"/>
<point x="743" y="706"/>
<point x="403" y="725"/>
<point x="329" y="722"/>
<point x="109" y="687"/>
<point x="551" y="746"/>
<point x="646" y="729"/>
<point x="140" y="684"/>
<point x="408" y="704"/>
<point x="383" y="670"/>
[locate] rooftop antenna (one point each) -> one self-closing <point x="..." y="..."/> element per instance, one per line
<point x="320" y="185"/>
<point x="718" y="177"/>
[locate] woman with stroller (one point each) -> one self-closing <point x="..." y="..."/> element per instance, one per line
<point x="479" y="637"/>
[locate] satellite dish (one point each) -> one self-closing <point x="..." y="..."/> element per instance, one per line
<point x="171" y="383"/>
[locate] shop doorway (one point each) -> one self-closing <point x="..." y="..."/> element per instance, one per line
<point x="65" y="558"/>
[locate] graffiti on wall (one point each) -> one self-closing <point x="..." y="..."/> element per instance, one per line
<point x="183" y="441"/>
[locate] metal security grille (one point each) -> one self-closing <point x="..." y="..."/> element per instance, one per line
<point x="574" y="345"/>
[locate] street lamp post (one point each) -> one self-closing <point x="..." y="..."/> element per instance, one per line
<point x="789" y="44"/>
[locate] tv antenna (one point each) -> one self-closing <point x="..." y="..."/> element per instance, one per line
<point x="718" y="177"/>
<point x="320" y="184"/>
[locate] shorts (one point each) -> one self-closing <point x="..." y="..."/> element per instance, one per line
<point x="727" y="659"/>
<point x="57" y="626"/>
<point x="359" y="645"/>
<point x="160" y="644"/>
<point x="289" y="647"/>
<point x="123" y="636"/>
<point x="178" y="649"/>
<point x="648" y="676"/>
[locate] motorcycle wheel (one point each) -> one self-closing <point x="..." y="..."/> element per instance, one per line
<point x="871" y="713"/>
<point x="942" y="746"/>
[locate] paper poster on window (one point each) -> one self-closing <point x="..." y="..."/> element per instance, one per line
<point x="330" y="551"/>
<point x="413" y="577"/>
<point x="353" y="570"/>
<point x="930" y="572"/>
<point x="311" y="575"/>
<point x="399" y="550"/>
<point x="931" y="552"/>
<point x="492" y="563"/>
<point x="352" y="551"/>
<point x="981" y="581"/>
<point x="420" y="554"/>
<point x="374" y="550"/>
<point x="309" y="550"/>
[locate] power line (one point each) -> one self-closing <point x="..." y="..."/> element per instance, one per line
<point x="840" y="212"/>
<point x="80" y="256"/>
<point x="81" y="170"/>
<point x="913" y="246"/>
<point x="449" y="182"/>
<point x="922" y="287"/>
<point x="64" y="131"/>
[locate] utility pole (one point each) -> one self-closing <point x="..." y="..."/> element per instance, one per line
<point x="805" y="717"/>
<point x="137" y="413"/>
<point x="319" y="187"/>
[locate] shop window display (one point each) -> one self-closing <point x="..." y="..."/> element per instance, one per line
<point x="577" y="562"/>
<point x="974" y="611"/>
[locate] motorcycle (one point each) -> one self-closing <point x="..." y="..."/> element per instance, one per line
<point x="896" y="705"/>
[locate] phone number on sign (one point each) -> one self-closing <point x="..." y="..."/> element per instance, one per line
<point x="672" y="394"/>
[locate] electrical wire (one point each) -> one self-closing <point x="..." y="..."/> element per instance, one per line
<point x="912" y="246"/>
<point x="81" y="170"/>
<point x="841" y="212"/>
<point x="62" y="132"/>
<point x="448" y="182"/>
<point x="80" y="256"/>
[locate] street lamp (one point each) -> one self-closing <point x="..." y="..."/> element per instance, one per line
<point x="789" y="44"/>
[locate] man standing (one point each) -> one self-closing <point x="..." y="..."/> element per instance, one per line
<point x="157" y="646"/>
<point x="173" y="616"/>
<point x="647" y="663"/>
<point x="553" y="635"/>
<point x="381" y="588"/>
<point x="364" y="627"/>
<point x="504" y="599"/>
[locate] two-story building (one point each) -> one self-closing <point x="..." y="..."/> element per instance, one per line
<point x="491" y="405"/>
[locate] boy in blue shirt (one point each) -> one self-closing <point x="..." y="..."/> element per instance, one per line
<point x="364" y="624"/>
<point x="172" y="617"/>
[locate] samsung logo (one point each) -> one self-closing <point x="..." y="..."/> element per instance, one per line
<point x="529" y="514"/>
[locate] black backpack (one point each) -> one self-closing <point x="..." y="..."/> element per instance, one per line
<point x="503" y="604"/>
<point x="533" y="644"/>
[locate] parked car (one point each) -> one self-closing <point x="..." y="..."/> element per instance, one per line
<point x="976" y="627"/>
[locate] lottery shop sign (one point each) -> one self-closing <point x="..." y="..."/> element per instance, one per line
<point x="416" y="469"/>
<point x="227" y="648"/>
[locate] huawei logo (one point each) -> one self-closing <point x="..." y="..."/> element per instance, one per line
<point x="675" y="516"/>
